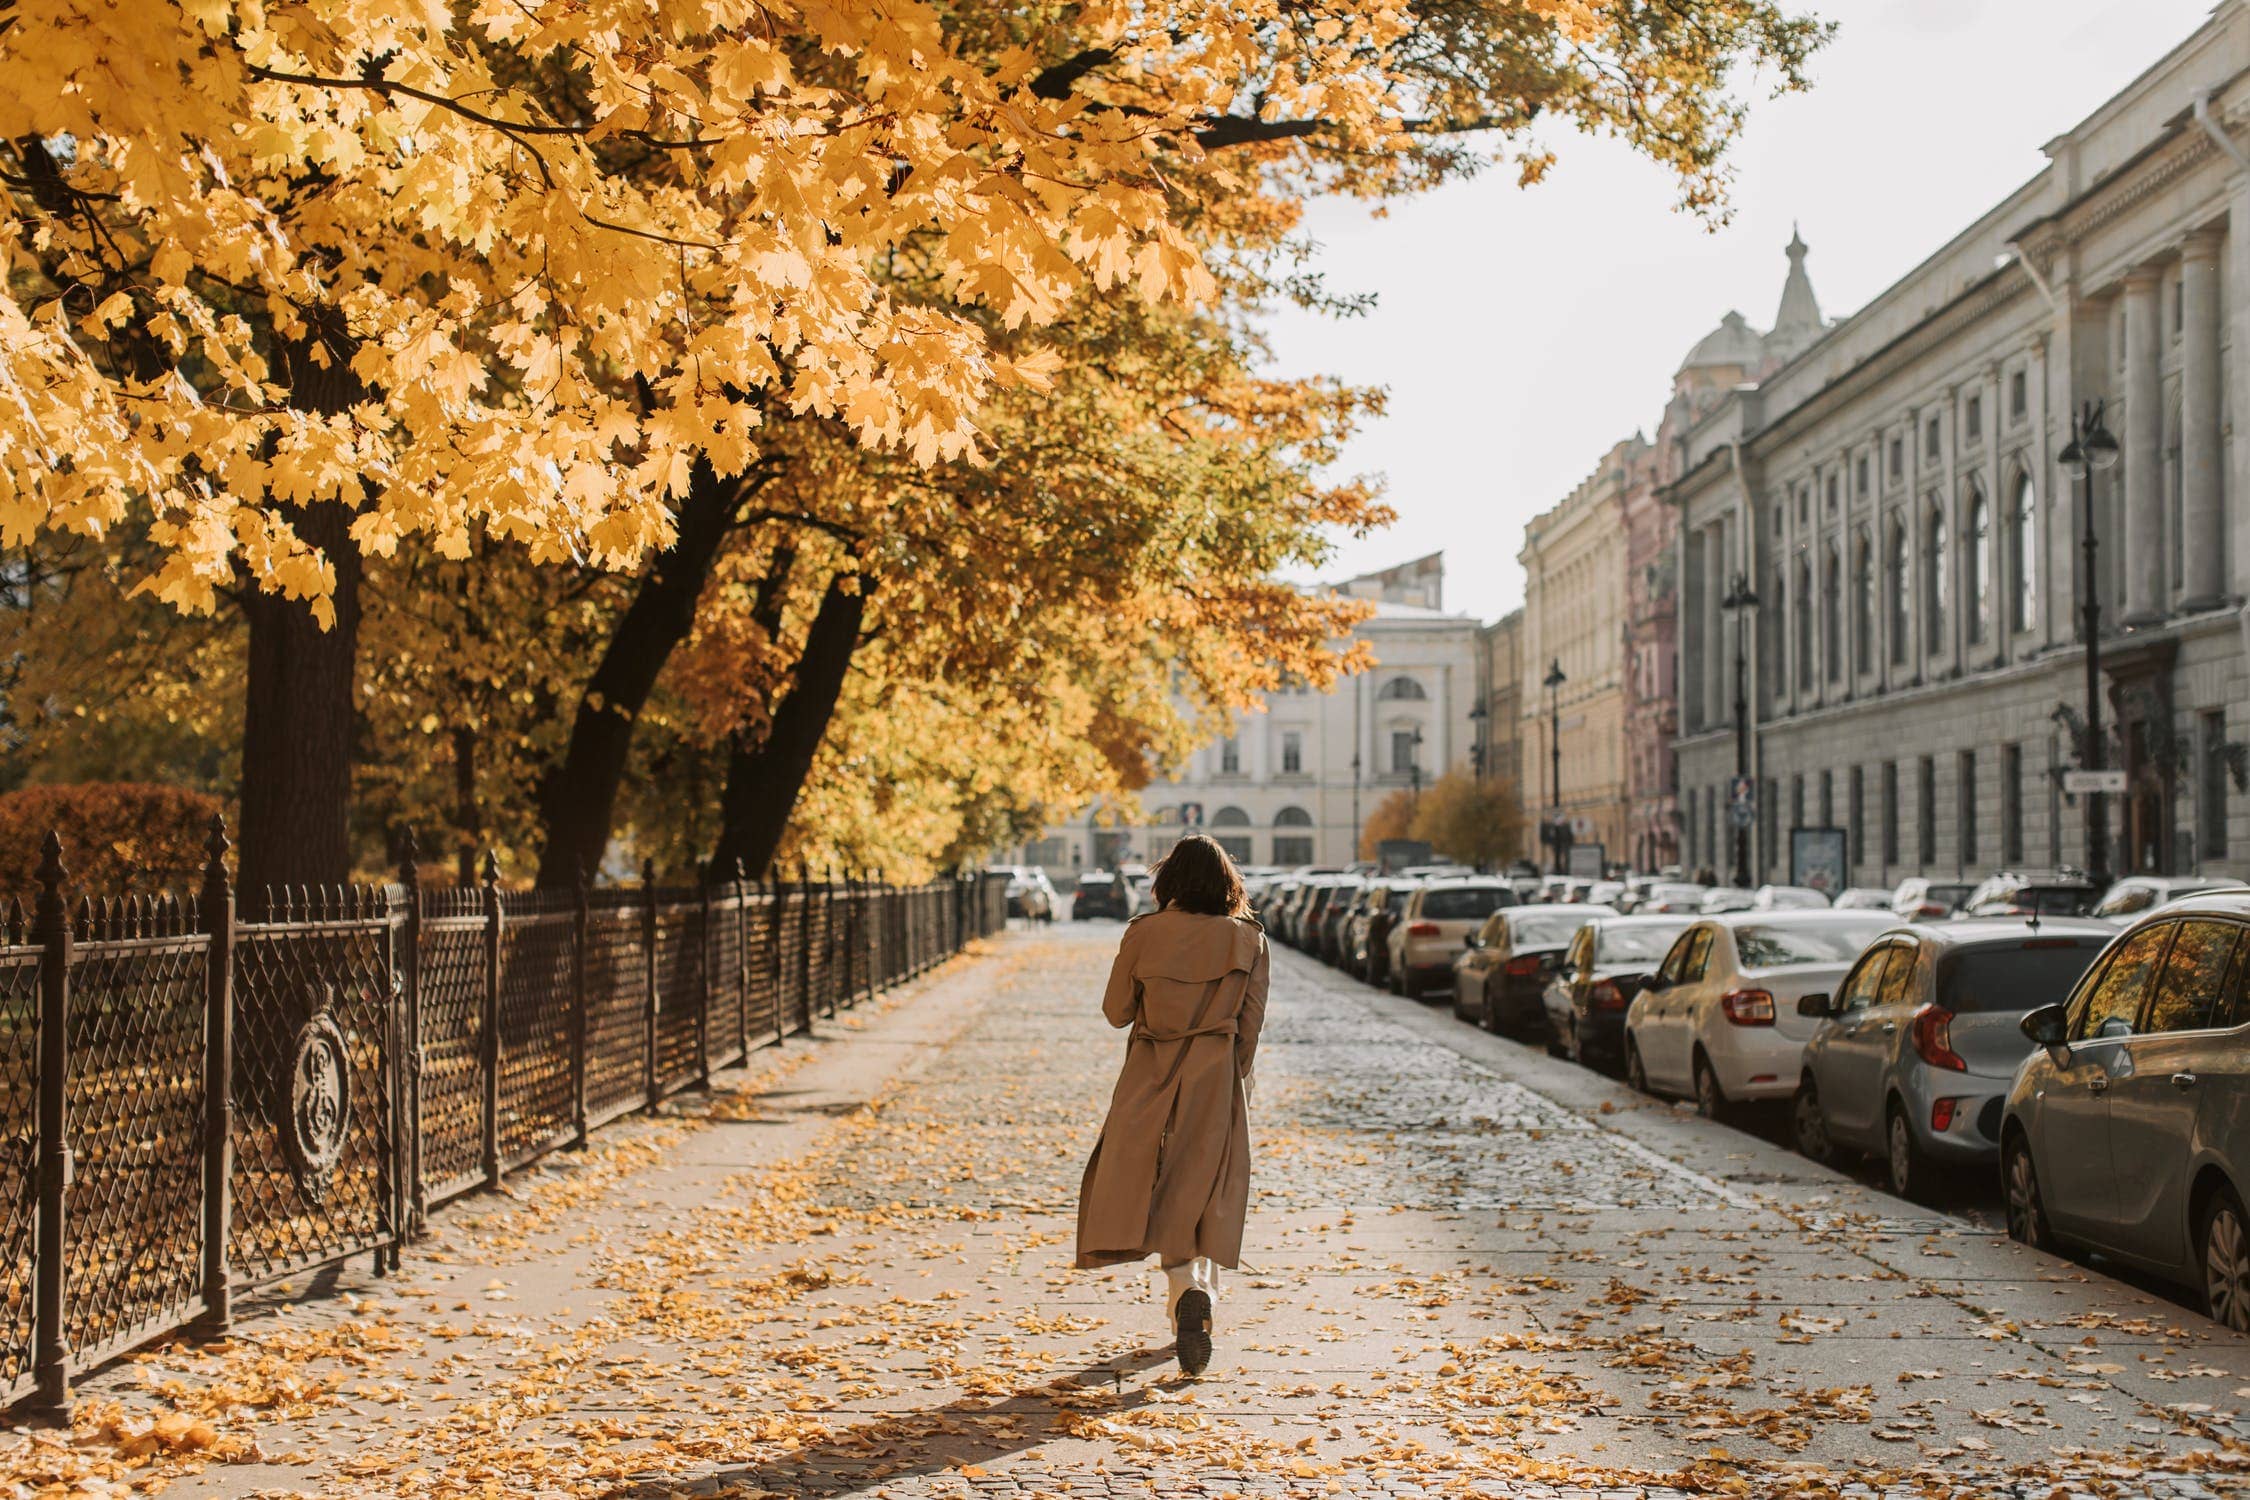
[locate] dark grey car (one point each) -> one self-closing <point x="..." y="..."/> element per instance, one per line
<point x="2128" y="1130"/>
<point x="1920" y="1041"/>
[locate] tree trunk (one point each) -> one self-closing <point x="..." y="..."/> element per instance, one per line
<point x="465" y="819"/>
<point x="763" y="782"/>
<point x="579" y="799"/>
<point x="297" y="722"/>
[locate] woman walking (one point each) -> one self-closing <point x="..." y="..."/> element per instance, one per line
<point x="1170" y="1176"/>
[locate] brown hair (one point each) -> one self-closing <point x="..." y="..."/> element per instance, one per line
<point x="1197" y="876"/>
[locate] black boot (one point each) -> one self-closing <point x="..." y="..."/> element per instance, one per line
<point x="1191" y="1322"/>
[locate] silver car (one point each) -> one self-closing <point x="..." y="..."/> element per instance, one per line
<point x="2128" y="1130"/>
<point x="1919" y="1043"/>
<point x="2138" y="893"/>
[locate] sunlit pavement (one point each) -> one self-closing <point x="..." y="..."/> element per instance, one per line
<point x="1471" y="1270"/>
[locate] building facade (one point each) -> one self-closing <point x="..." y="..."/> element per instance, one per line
<point x="1893" y="496"/>
<point x="1498" y="751"/>
<point x="1296" y="779"/>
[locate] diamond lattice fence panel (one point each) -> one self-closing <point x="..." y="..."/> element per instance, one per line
<point x="617" y="997"/>
<point x="538" y="996"/>
<point x="19" y="1161"/>
<point x="727" y="1027"/>
<point x="761" y="1001"/>
<point x="679" y="981"/>
<point x="452" y="1039"/>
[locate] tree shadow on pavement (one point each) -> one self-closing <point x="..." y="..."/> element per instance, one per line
<point x="906" y="1445"/>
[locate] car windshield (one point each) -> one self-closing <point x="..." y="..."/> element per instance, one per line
<point x="1545" y="929"/>
<point x="2014" y="976"/>
<point x="1458" y="903"/>
<point x="1635" y="944"/>
<point x="1763" y="947"/>
<point x="1395" y="901"/>
<point x="2127" y="900"/>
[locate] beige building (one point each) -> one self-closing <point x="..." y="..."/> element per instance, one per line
<point x="1574" y="560"/>
<point x="1498" y="751"/>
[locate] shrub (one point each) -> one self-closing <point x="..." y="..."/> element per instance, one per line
<point x="117" y="836"/>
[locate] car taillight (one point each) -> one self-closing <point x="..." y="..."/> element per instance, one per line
<point x="1942" y="1112"/>
<point x="1747" y="1007"/>
<point x="1933" y="1039"/>
<point x="1929" y="909"/>
<point x="1607" y="996"/>
<point x="1520" y="968"/>
<point x="1423" y="929"/>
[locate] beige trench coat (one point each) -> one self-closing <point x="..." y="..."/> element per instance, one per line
<point x="1170" y="1175"/>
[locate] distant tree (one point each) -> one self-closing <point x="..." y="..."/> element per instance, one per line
<point x="1393" y="818"/>
<point x="1476" y="821"/>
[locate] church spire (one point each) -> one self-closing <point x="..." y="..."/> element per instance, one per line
<point x="1797" y="322"/>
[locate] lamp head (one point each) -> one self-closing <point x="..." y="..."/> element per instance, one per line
<point x="1555" y="676"/>
<point x="2073" y="459"/>
<point x="2101" y="448"/>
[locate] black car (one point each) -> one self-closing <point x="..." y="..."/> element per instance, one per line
<point x="1601" y="971"/>
<point x="1101" y="894"/>
<point x="1330" y="946"/>
<point x="1376" y="969"/>
<point x="1305" y="932"/>
<point x="1500" y="980"/>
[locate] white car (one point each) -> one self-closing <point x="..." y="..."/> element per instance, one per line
<point x="1723" y="898"/>
<point x="1862" y="898"/>
<point x="1435" y="926"/>
<point x="1789" y="898"/>
<point x="1717" y="1022"/>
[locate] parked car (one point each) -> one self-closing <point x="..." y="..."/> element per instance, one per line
<point x="1328" y="945"/>
<point x="1100" y="894"/>
<point x="1140" y="893"/>
<point x="1725" y="898"/>
<point x="1606" y="893"/>
<point x="1917" y="1047"/>
<point x="1030" y="894"/>
<point x="1435" y="926"/>
<point x="1673" y="898"/>
<point x="1604" y="967"/>
<point x="1503" y="967"/>
<point x="2049" y="893"/>
<point x="1272" y="905"/>
<point x="2124" y="1131"/>
<point x="1789" y="898"/>
<point x="1370" y="935"/>
<point x="1314" y="910"/>
<point x="2138" y="893"/>
<point x="1862" y="898"/>
<point x="1718" y="1023"/>
<point x="1921" y="900"/>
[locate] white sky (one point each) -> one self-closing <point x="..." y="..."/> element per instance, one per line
<point x="1522" y="332"/>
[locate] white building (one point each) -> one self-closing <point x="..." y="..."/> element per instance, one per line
<point x="1294" y="781"/>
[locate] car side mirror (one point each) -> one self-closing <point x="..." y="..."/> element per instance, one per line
<point x="1818" y="1006"/>
<point x="2047" y="1026"/>
<point x="1656" y="982"/>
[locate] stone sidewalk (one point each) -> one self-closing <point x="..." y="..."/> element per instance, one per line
<point x="1472" y="1271"/>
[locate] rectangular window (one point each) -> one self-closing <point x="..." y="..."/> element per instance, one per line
<point x="1925" y="811"/>
<point x="1890" y="812"/>
<point x="1930" y="443"/>
<point x="1974" y="417"/>
<point x="2019" y="396"/>
<point x="1855" y="832"/>
<point x="1832" y="489"/>
<point x="1828" y="799"/>
<point x="1292" y="849"/>
<point x="2011" y="804"/>
<point x="1898" y="460"/>
<point x="1769" y="816"/>
<point x="1694" y="834"/>
<point x="1965" y="803"/>
<point x="1292" y="761"/>
<point x="1230" y="757"/>
<point x="1797" y="801"/>
<point x="1402" y="750"/>
<point x="1859" y="476"/>
<point x="2211" y="797"/>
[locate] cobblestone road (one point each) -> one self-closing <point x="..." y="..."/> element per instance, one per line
<point x="1471" y="1271"/>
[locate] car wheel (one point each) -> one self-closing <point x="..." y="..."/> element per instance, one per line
<point x="2027" y="1211"/>
<point x="1810" y="1125"/>
<point x="1913" y="1175"/>
<point x="1556" y="1046"/>
<point x="1710" y="1099"/>
<point x="1636" y="1075"/>
<point x="2226" y="1261"/>
<point x="1410" y="987"/>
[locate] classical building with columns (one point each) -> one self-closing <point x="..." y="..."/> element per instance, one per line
<point x="1893" y="496"/>
<point x="1294" y="781"/>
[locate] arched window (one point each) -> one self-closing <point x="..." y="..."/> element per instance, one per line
<point x="1292" y="848"/>
<point x="1804" y="627"/>
<point x="1977" y="588"/>
<point x="1292" y="817"/>
<point x="1404" y="689"/>
<point x="2023" y="547"/>
<point x="1863" y="601"/>
<point x="1223" y="824"/>
<point x="1230" y="817"/>
<point x="1832" y="615"/>
<point x="1901" y="579"/>
<point x="1933" y="582"/>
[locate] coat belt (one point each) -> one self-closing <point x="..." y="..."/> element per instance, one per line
<point x="1141" y="1033"/>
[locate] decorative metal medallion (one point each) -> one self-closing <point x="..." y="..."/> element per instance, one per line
<point x="320" y="1103"/>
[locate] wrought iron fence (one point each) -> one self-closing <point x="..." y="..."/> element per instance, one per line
<point x="192" y="1104"/>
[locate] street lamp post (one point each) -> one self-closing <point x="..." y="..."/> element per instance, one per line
<point x="1479" y="716"/>
<point x="1553" y="683"/>
<point x="2091" y="448"/>
<point x="1741" y="602"/>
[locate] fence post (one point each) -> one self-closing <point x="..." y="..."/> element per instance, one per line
<point x="491" y="1039"/>
<point x="741" y="962"/>
<point x="410" y="876"/>
<point x="703" y="997"/>
<point x="49" y="1359"/>
<point x="773" y="950"/>
<point x="581" y="932"/>
<point x="648" y="975"/>
<point x="804" y="941"/>
<point x="218" y="1082"/>
<point x="828" y="939"/>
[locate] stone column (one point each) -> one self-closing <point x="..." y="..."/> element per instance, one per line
<point x="2143" y="440"/>
<point x="2200" y="416"/>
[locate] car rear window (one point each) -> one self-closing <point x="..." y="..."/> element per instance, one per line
<point x="1394" y="902"/>
<point x="1543" y="929"/>
<point x="2015" y="976"/>
<point x="1636" y="944"/>
<point x="1772" y="947"/>
<point x="2056" y="900"/>
<point x="1457" y="903"/>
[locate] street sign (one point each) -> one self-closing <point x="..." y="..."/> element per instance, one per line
<point x="2078" y="783"/>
